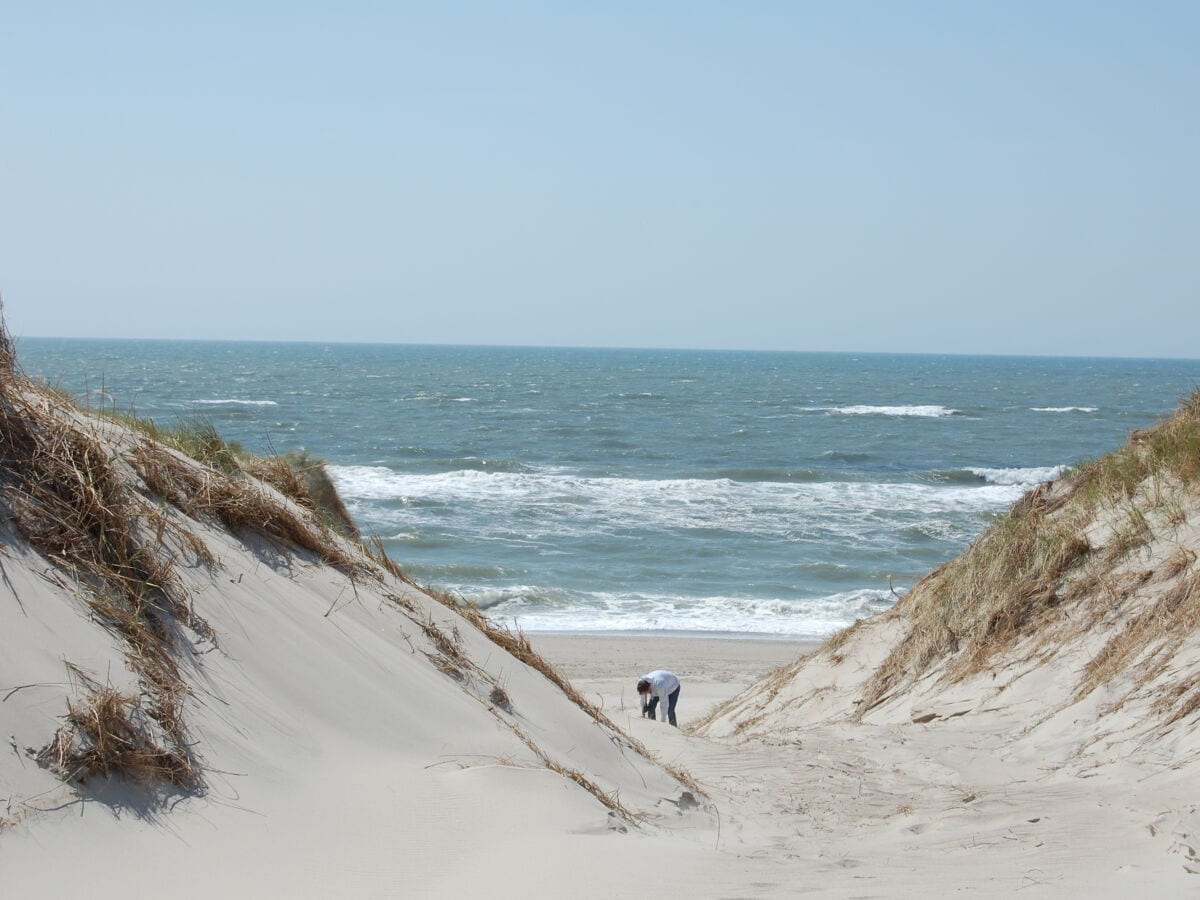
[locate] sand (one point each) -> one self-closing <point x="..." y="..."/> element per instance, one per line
<point x="897" y="809"/>
<point x="358" y="738"/>
<point x="348" y="790"/>
<point x="711" y="669"/>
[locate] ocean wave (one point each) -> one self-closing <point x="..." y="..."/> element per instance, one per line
<point x="497" y="504"/>
<point x="233" y="402"/>
<point x="554" y="609"/>
<point x="767" y="474"/>
<point x="934" y="529"/>
<point x="437" y="398"/>
<point x="439" y="574"/>
<point x="1063" y="409"/>
<point x="420" y="540"/>
<point x="478" y="464"/>
<point x="924" y="412"/>
<point x="1026" y="478"/>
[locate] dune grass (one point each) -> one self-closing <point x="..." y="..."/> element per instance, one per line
<point x="297" y="474"/>
<point x="304" y="479"/>
<point x="1017" y="578"/>
<point x="70" y="490"/>
<point x="1162" y="626"/>
<point x="100" y="509"/>
<point x="67" y="494"/>
<point x="238" y="503"/>
<point x="108" y="734"/>
<point x="517" y="644"/>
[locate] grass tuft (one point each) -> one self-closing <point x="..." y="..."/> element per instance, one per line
<point x="499" y="696"/>
<point x="1162" y="626"/>
<point x="1016" y="579"/>
<point x="305" y="479"/>
<point x="238" y="503"/>
<point x="111" y="734"/>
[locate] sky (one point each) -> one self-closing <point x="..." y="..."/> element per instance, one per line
<point x="995" y="177"/>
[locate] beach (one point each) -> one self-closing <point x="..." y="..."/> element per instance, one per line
<point x="244" y="684"/>
<point x="711" y="670"/>
<point x="387" y="391"/>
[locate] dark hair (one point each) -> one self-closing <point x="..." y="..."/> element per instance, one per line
<point x="643" y="686"/>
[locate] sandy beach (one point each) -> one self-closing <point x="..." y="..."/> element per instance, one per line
<point x="711" y="669"/>
<point x="387" y="388"/>
<point x="249" y="702"/>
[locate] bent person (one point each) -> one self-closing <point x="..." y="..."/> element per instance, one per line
<point x="659" y="686"/>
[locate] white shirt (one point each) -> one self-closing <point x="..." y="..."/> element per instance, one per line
<point x="662" y="685"/>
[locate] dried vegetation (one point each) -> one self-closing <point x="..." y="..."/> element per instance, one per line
<point x="239" y="503"/>
<point x="1035" y="576"/>
<point x="611" y="800"/>
<point x="69" y="488"/>
<point x="66" y="493"/>
<point x="109" y="733"/>
<point x="518" y="646"/>
<point x="101" y="498"/>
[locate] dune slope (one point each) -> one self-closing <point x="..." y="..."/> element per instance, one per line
<point x="1040" y="694"/>
<point x="195" y="667"/>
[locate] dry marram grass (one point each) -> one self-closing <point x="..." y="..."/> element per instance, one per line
<point x="103" y="511"/>
<point x="518" y="646"/>
<point x="66" y="493"/>
<point x="1036" y="561"/>
<point x="611" y="800"/>
<point x="238" y="503"/>
<point x="109" y="733"/>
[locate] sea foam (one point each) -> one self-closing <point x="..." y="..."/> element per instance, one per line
<point x="540" y="504"/>
<point x="1026" y="478"/>
<point x="924" y="412"/>
<point x="536" y="609"/>
<point x="234" y="402"/>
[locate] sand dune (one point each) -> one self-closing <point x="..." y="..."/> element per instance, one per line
<point x="278" y="719"/>
<point x="1038" y="695"/>
<point x="205" y="689"/>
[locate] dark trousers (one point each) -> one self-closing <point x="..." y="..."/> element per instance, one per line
<point x="672" y="699"/>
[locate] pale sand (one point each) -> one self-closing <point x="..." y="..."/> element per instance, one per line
<point x="895" y="809"/>
<point x="711" y="670"/>
<point x="353" y="747"/>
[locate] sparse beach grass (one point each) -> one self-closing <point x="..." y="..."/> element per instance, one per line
<point x="111" y="508"/>
<point x="1015" y="580"/>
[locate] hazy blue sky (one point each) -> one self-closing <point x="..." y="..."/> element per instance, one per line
<point x="1002" y="177"/>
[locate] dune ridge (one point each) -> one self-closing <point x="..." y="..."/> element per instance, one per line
<point x="211" y="683"/>
<point x="189" y="640"/>
<point x="1039" y="694"/>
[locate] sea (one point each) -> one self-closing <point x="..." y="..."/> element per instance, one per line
<point x="601" y="490"/>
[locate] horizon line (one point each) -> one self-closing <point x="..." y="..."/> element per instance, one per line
<point x="649" y="349"/>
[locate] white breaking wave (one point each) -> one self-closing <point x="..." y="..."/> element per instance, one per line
<point x="541" y="503"/>
<point x="1086" y="409"/>
<point x="232" y="402"/>
<point x="534" y="609"/>
<point x="1025" y="478"/>
<point x="926" y="412"/>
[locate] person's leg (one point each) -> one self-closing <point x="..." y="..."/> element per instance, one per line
<point x="651" y="706"/>
<point x="672" y="698"/>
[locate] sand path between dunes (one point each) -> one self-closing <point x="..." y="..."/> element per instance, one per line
<point x="885" y="811"/>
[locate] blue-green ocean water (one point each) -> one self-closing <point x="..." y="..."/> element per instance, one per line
<point x="582" y="490"/>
